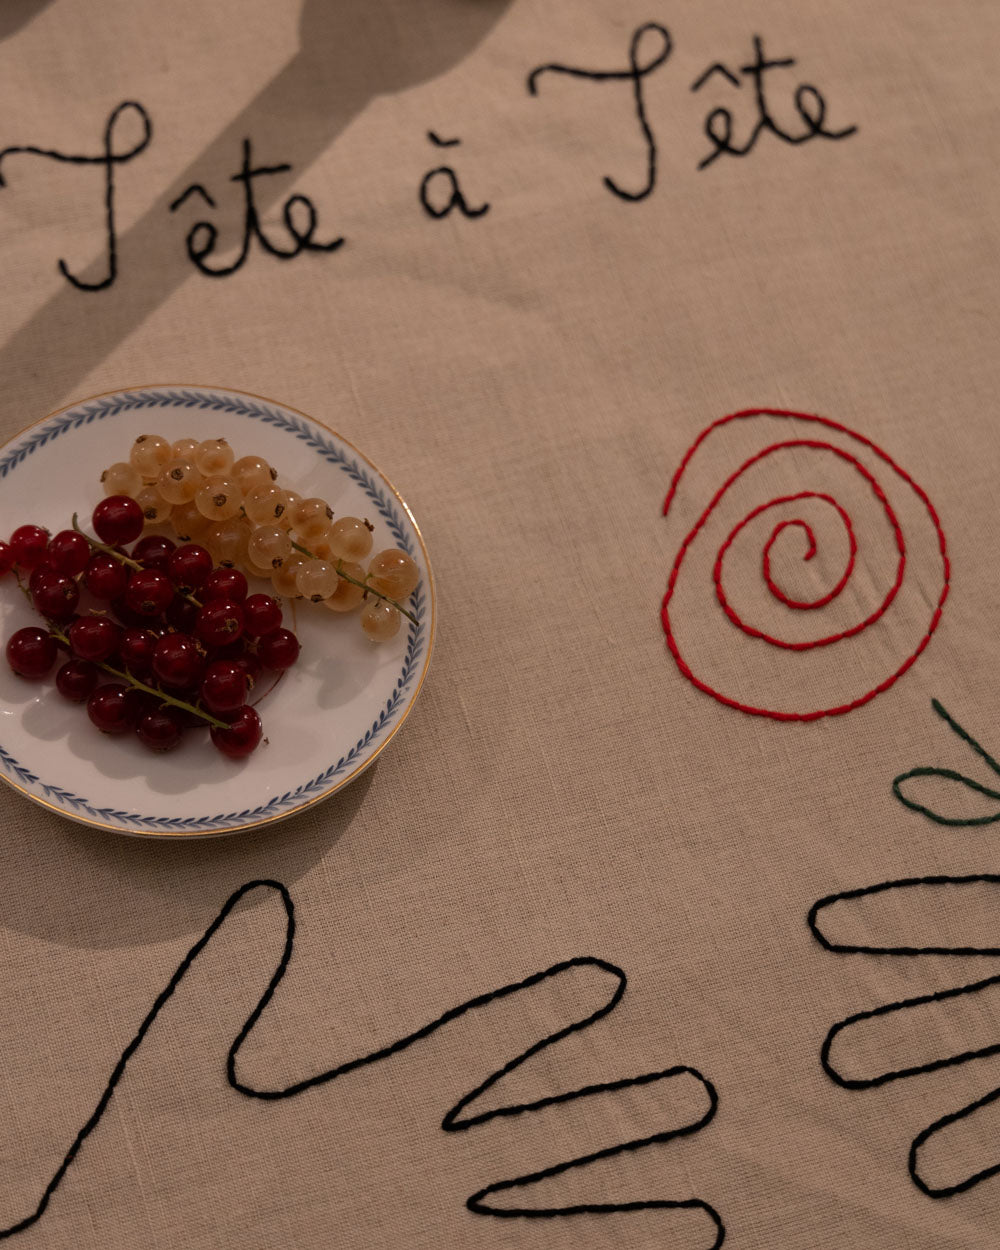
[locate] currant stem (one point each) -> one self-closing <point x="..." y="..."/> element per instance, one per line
<point x="141" y="685"/>
<point x="21" y="586"/>
<point x="98" y="546"/>
<point x="117" y="555"/>
<point x="355" y="582"/>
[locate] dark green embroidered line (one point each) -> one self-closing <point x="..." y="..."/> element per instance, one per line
<point x="950" y="774"/>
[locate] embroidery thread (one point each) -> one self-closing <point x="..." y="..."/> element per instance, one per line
<point x="635" y="73"/>
<point x="203" y="235"/>
<point x="810" y="104"/>
<point x="461" y="1116"/>
<point x="950" y="774"/>
<point x="937" y="884"/>
<point x="852" y="460"/>
<point x="109" y="158"/>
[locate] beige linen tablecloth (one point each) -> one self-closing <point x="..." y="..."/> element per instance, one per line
<point x="550" y="283"/>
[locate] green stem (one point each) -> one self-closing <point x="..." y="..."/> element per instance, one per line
<point x="21" y="586"/>
<point x="141" y="685"/>
<point x="364" y="585"/>
<point x="98" y="546"/>
<point x="117" y="555"/>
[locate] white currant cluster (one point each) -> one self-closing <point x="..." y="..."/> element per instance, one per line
<point x="238" y="510"/>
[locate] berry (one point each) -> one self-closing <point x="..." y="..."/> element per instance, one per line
<point x="153" y="551"/>
<point x="159" y="729"/>
<point x="348" y="595"/>
<point x="148" y="454"/>
<point x="269" y="547"/>
<point x="251" y="666"/>
<point x="121" y="479"/>
<point x="179" y="480"/>
<point x="316" y="580"/>
<point x="182" y="614"/>
<point x="149" y="592"/>
<point x="241" y="736"/>
<point x="380" y="620"/>
<point x="7" y="558"/>
<point x="350" y="538"/>
<point x="57" y="597"/>
<point x="117" y="519"/>
<point x="31" y="652"/>
<point x="29" y="543"/>
<point x="94" y="637"/>
<point x="136" y="651"/>
<point x="213" y="456"/>
<point x="394" y="573"/>
<point x="128" y="618"/>
<point x="262" y="615"/>
<point x="278" y="650"/>
<point x="39" y="575"/>
<point x="311" y="518"/>
<point x="188" y="566"/>
<point x="224" y="687"/>
<point x="177" y="661"/>
<point x="251" y="471"/>
<point x="218" y="499"/>
<point x="76" y="679"/>
<point x="224" y="584"/>
<point x="69" y="553"/>
<point x="265" y="504"/>
<point x="219" y="622"/>
<point x="111" y="710"/>
<point x="105" y="577"/>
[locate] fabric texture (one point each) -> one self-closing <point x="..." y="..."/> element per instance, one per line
<point x="531" y="377"/>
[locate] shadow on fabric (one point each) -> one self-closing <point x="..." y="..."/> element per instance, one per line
<point x="349" y="53"/>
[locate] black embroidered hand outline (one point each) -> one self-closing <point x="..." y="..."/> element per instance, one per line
<point x="932" y="889"/>
<point x="461" y="1116"/>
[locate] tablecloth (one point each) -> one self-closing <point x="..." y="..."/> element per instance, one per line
<point x="669" y="917"/>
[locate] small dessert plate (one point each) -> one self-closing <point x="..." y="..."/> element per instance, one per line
<point x="327" y="718"/>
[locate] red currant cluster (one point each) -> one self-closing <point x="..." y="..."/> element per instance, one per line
<point x="182" y="640"/>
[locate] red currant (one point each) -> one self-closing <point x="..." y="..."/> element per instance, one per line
<point x="149" y="592"/>
<point x="29" y="543"/>
<point x="188" y="566"/>
<point x="69" y="552"/>
<point x="94" y="637"/>
<point x="39" y="575"/>
<point x="105" y="577"/>
<point x="118" y="519"/>
<point x="241" y="736"/>
<point x="224" y="687"/>
<point x="76" y="679"/>
<point x="7" y="558"/>
<point x="219" y="622"/>
<point x="159" y="729"/>
<point x="263" y="615"/>
<point x="136" y="650"/>
<point x="111" y="709"/>
<point x="57" y="597"/>
<point x="153" y="551"/>
<point x="224" y="584"/>
<point x="182" y="614"/>
<point x="31" y="652"/>
<point x="127" y="617"/>
<point x="278" y="650"/>
<point x="177" y="661"/>
<point x="250" y="665"/>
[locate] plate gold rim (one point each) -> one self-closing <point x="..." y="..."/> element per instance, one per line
<point x="341" y="782"/>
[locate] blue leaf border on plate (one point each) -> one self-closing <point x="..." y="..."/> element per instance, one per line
<point x="257" y="410"/>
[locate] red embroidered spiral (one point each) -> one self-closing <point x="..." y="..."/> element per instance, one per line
<point x="802" y="604"/>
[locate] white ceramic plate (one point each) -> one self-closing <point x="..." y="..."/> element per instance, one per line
<point x="325" y="721"/>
